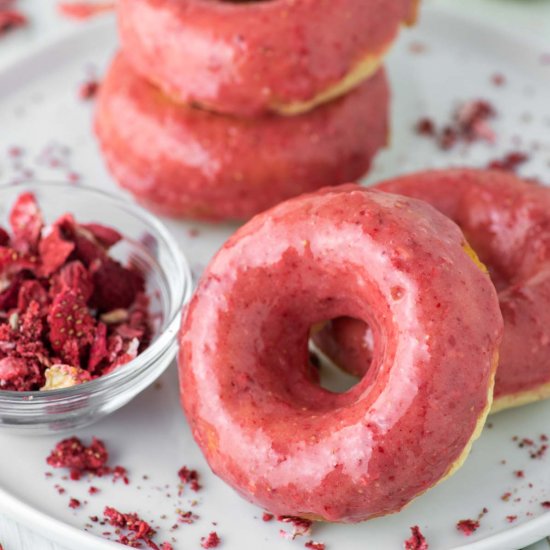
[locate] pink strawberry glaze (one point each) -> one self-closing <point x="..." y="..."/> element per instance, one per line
<point x="266" y="427"/>
<point x="241" y="57"/>
<point x="187" y="162"/>
<point x="507" y="221"/>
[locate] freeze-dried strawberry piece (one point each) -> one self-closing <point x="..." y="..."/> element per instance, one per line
<point x="88" y="248"/>
<point x="114" y="285"/>
<point x="130" y="352"/>
<point x="8" y="297"/>
<point x="73" y="276"/>
<point x="98" y="351"/>
<point x="105" y="236"/>
<point x="13" y="262"/>
<point x="31" y="324"/>
<point x="31" y="291"/>
<point x="26" y="223"/>
<point x="70" y="321"/>
<point x="4" y="237"/>
<point x="19" y="374"/>
<point x="54" y="251"/>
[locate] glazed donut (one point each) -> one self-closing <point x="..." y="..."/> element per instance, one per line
<point x="267" y="427"/>
<point x="507" y="221"/>
<point x="246" y="58"/>
<point x="188" y="162"/>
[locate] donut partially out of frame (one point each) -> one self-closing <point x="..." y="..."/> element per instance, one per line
<point x="251" y="57"/>
<point x="507" y="222"/>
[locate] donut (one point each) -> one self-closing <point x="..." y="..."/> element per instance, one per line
<point x="507" y="221"/>
<point x="264" y="423"/>
<point x="182" y="161"/>
<point x="246" y="58"/>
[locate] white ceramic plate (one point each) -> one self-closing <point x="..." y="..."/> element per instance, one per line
<point x="39" y="110"/>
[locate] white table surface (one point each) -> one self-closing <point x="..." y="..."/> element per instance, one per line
<point x="531" y="17"/>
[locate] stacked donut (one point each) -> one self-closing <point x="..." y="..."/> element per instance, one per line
<point x="439" y="284"/>
<point x="219" y="109"/>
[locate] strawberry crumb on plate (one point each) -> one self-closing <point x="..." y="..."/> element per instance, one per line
<point x="417" y="541"/>
<point x="211" y="541"/>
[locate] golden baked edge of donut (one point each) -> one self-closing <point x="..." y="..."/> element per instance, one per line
<point x="521" y="398"/>
<point x="364" y="69"/>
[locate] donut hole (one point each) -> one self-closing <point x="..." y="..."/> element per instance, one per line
<point x="345" y="347"/>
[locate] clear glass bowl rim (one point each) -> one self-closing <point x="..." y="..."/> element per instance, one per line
<point x="133" y="369"/>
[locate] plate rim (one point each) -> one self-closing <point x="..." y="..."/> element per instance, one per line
<point x="513" y="537"/>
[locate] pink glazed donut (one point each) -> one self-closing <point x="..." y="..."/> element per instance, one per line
<point x="263" y="422"/>
<point x="507" y="222"/>
<point x="187" y="162"/>
<point x="248" y="58"/>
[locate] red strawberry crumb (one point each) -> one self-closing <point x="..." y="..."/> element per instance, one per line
<point x="189" y="477"/>
<point x="187" y="517"/>
<point x="511" y="519"/>
<point x="498" y="79"/>
<point x="469" y="123"/>
<point x="93" y="490"/>
<point x="314" y="545"/>
<point x="74" y="503"/>
<point x="506" y="496"/>
<point x="545" y="504"/>
<point x="119" y="472"/>
<point x="425" y="127"/>
<point x="417" y="541"/>
<point x="519" y="473"/>
<point x="10" y="20"/>
<point x="71" y="453"/>
<point x="211" y="541"/>
<point x="137" y="529"/>
<point x="509" y="163"/>
<point x="467" y="526"/>
<point x="84" y="10"/>
<point x="267" y="516"/>
<point x="88" y="89"/>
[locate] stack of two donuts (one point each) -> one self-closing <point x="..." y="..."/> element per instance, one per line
<point x="219" y="109"/>
<point x="424" y="322"/>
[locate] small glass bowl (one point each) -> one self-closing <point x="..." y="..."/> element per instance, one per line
<point x="168" y="284"/>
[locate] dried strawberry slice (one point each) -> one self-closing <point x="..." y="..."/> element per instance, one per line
<point x="54" y="251"/>
<point x="70" y="322"/>
<point x="105" y="236"/>
<point x="26" y="223"/>
<point x="98" y="351"/>
<point x="4" y="237"/>
<point x="9" y="296"/>
<point x="114" y="285"/>
<point x="87" y="248"/>
<point x="73" y="276"/>
<point x="12" y="262"/>
<point x="19" y="374"/>
<point x="30" y="323"/>
<point x="31" y="291"/>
